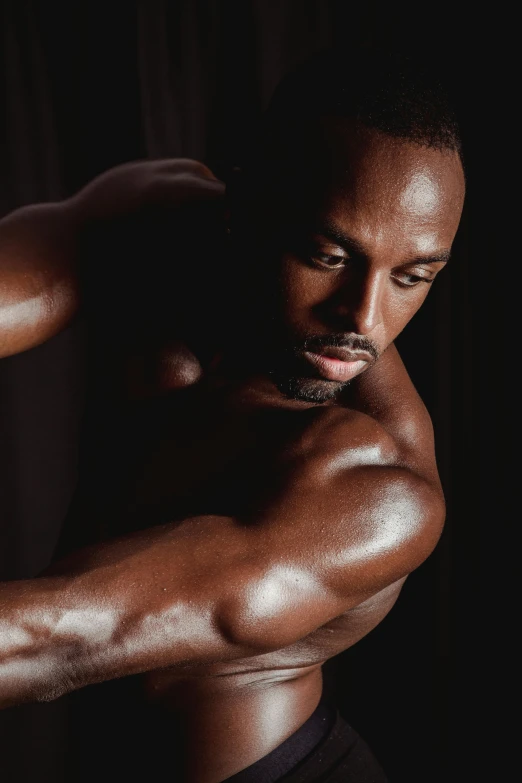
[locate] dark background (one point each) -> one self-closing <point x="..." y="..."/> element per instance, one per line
<point x="86" y="86"/>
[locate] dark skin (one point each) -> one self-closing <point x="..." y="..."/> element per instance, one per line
<point x="275" y="517"/>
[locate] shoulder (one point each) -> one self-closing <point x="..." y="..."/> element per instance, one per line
<point x="380" y="438"/>
<point x="386" y="394"/>
<point x="332" y="443"/>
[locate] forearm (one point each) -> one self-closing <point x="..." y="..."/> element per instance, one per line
<point x="123" y="607"/>
<point x="31" y="650"/>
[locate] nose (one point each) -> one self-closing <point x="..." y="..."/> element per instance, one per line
<point x="359" y="302"/>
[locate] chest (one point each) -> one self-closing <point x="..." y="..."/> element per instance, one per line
<point x="185" y="456"/>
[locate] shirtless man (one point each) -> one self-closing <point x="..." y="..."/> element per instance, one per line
<point x="260" y="475"/>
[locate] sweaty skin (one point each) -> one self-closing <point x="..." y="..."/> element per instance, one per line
<point x="254" y="533"/>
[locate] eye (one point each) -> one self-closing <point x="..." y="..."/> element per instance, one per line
<point x="410" y="280"/>
<point x="328" y="261"/>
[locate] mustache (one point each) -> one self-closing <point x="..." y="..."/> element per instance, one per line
<point x="352" y="342"/>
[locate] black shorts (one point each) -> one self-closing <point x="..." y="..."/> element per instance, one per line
<point x="324" y="750"/>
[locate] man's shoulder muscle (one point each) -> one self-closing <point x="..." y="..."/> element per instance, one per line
<point x="386" y="393"/>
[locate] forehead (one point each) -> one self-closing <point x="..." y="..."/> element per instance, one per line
<point x="378" y="187"/>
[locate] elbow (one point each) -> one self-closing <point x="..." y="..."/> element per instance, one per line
<point x="279" y="606"/>
<point x="37" y="315"/>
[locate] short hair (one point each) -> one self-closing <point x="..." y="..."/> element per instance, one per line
<point x="378" y="88"/>
<point x="381" y="89"/>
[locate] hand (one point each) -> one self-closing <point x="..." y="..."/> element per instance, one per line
<point x="181" y="181"/>
<point x="169" y="182"/>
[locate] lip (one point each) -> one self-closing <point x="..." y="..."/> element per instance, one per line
<point x="344" y="354"/>
<point x="343" y="366"/>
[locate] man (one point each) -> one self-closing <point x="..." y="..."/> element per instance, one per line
<point x="258" y="475"/>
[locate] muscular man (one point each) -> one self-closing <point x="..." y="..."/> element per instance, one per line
<point x="258" y="474"/>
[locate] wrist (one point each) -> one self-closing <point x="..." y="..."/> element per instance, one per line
<point x="32" y="649"/>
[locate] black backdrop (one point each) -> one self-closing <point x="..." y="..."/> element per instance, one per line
<point x="86" y="86"/>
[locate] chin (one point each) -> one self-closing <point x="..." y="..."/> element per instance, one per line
<point x="309" y="389"/>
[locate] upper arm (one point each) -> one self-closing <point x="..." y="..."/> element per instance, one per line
<point x="330" y="538"/>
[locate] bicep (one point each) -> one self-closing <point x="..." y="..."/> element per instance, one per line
<point x="321" y="551"/>
<point x="361" y="530"/>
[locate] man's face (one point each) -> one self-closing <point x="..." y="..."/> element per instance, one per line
<point x="356" y="257"/>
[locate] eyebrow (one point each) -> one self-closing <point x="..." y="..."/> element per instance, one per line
<point x="351" y="245"/>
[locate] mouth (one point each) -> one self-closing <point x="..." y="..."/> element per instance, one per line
<point x="338" y="364"/>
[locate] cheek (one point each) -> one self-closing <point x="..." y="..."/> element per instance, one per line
<point x="400" y="307"/>
<point x="303" y="287"/>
